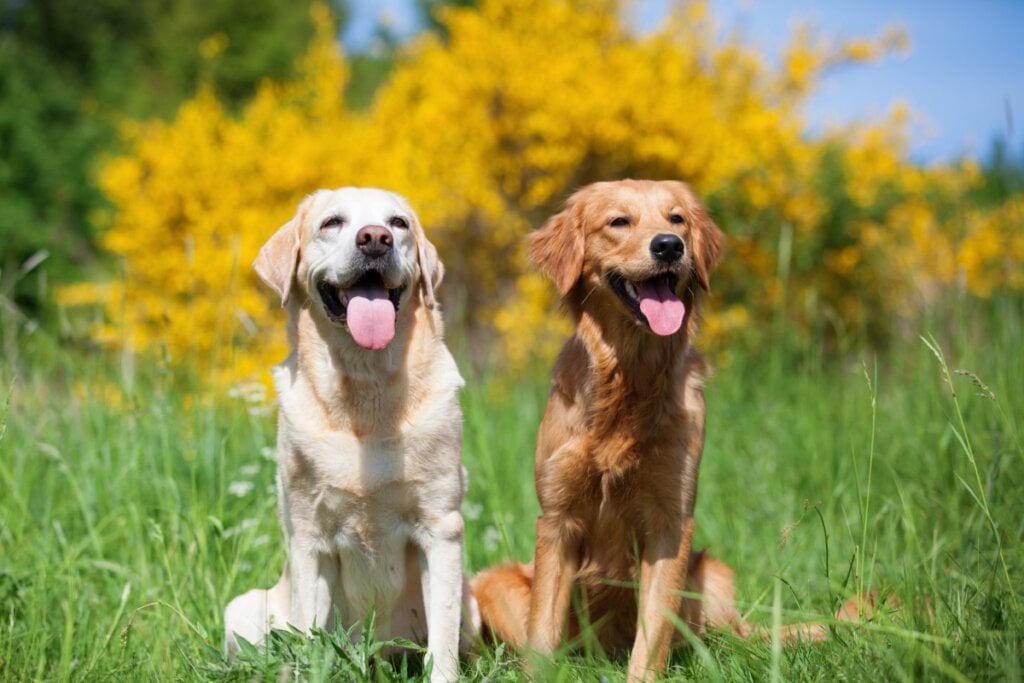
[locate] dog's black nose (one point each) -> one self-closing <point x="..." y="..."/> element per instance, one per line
<point x="668" y="248"/>
<point x="374" y="240"/>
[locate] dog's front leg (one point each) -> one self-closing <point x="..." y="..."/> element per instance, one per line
<point x="441" y="574"/>
<point x="313" y="575"/>
<point x="555" y="565"/>
<point x="662" y="578"/>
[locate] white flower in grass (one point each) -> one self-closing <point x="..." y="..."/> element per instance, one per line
<point x="250" y="470"/>
<point x="239" y="528"/>
<point x="268" y="453"/>
<point x="240" y="488"/>
<point x="250" y="392"/>
<point x="491" y="539"/>
<point x="472" y="511"/>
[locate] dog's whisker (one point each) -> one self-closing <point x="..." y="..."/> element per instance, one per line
<point x="594" y="289"/>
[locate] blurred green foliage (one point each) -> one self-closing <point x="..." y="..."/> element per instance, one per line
<point x="1002" y="173"/>
<point x="70" y="71"/>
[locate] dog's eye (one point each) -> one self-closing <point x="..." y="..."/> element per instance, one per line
<point x="619" y="222"/>
<point x="399" y="222"/>
<point x="676" y="218"/>
<point x="332" y="222"/>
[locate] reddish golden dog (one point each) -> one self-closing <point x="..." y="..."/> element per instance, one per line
<point x="620" y="443"/>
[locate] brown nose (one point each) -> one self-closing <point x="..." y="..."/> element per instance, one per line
<point x="374" y="240"/>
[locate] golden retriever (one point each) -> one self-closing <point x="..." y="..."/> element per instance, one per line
<point x="620" y="442"/>
<point x="369" y="478"/>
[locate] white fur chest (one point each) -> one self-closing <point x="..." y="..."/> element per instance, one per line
<point x="362" y="502"/>
<point x="351" y="502"/>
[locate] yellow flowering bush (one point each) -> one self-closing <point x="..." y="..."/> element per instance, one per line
<point x="488" y="129"/>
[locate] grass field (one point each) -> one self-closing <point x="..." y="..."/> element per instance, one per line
<point x="132" y="510"/>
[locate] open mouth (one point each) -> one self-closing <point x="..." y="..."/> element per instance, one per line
<point x="367" y="306"/>
<point x="653" y="301"/>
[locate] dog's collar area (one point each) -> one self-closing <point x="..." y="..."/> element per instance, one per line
<point x="628" y="291"/>
<point x="335" y="299"/>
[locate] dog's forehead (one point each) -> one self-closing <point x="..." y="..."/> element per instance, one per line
<point x="360" y="205"/>
<point x="635" y="200"/>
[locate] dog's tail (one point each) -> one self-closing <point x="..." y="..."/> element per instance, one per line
<point x="713" y="580"/>
<point x="503" y="597"/>
<point x="859" y="608"/>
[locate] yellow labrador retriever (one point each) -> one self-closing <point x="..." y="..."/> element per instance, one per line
<point x="369" y="479"/>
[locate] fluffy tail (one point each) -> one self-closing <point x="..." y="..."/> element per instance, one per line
<point x="857" y="609"/>
<point x="503" y="597"/>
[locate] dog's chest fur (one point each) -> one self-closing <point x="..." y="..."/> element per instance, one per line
<point x="360" y="491"/>
<point x="639" y="437"/>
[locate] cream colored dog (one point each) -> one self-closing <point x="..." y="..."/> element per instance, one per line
<point x="369" y="480"/>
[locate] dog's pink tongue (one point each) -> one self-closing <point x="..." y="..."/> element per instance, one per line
<point x="371" y="317"/>
<point x="661" y="306"/>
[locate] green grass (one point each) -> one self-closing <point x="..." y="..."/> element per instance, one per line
<point x="125" y="529"/>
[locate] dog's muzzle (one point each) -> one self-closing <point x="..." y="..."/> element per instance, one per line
<point x="653" y="301"/>
<point x="367" y="306"/>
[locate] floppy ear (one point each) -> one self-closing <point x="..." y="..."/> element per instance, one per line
<point x="707" y="242"/>
<point x="431" y="268"/>
<point x="557" y="247"/>
<point x="279" y="257"/>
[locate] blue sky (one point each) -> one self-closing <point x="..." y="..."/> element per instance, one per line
<point x="963" y="72"/>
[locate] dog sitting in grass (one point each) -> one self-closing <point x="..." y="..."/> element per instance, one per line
<point x="619" y="447"/>
<point x="369" y="479"/>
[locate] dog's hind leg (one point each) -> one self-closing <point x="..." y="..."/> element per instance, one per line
<point x="251" y="615"/>
<point x="503" y="598"/>
<point x="714" y="609"/>
<point x="502" y="595"/>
